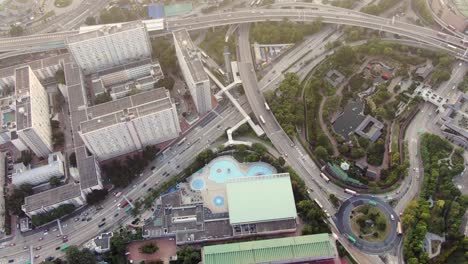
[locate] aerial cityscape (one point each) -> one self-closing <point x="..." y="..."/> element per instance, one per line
<point x="234" y="131"/>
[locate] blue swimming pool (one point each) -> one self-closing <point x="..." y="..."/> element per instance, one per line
<point x="197" y="184"/>
<point x="223" y="170"/>
<point x="218" y="200"/>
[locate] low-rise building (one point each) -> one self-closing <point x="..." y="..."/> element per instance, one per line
<point x="453" y="121"/>
<point x="49" y="200"/>
<point x="38" y="175"/>
<point x="316" y="248"/>
<point x="370" y="128"/>
<point x="2" y="192"/>
<point x="101" y="244"/>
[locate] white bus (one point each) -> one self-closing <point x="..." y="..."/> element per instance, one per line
<point x="324" y="177"/>
<point x="181" y="141"/>
<point x="451" y="46"/>
<point x="399" y="228"/>
<point x="318" y="203"/>
<point x="253" y="2"/>
<point x="220" y="71"/>
<point x="451" y="28"/>
<point x="259" y="2"/>
<point x="267" y="107"/>
<point x="350" y="191"/>
<point x="263" y="120"/>
<point x="204" y="54"/>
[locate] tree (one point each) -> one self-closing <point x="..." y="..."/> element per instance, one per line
<point x="334" y="200"/>
<point x="345" y="56"/>
<point x="60" y="76"/>
<point x="164" y="51"/>
<point x="167" y="82"/>
<point x="90" y="21"/>
<point x="72" y="160"/>
<point x="76" y="256"/>
<point x="188" y="255"/>
<point x="281" y="161"/>
<point x="357" y="153"/>
<point x="16" y="31"/>
<point x="58" y="138"/>
<point x="96" y="196"/>
<point x="321" y="153"/>
<point x="54" y="181"/>
<point x="102" y="98"/>
<point x="149" y="248"/>
<point x="15" y="200"/>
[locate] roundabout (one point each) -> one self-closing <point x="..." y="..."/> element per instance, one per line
<point x="369" y="224"/>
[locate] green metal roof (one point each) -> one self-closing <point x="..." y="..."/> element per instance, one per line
<point x="263" y="251"/>
<point x="261" y="198"/>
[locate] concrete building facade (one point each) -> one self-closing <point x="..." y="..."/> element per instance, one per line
<point x="129" y="124"/>
<point x="192" y="69"/>
<point x="32" y="112"/>
<point x="110" y="46"/>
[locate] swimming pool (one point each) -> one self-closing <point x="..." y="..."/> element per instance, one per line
<point x="218" y="200"/>
<point x="222" y="170"/>
<point x="197" y="184"/>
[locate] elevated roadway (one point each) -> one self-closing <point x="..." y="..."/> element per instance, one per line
<point x="452" y="44"/>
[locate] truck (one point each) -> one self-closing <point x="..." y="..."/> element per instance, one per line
<point x="124" y="203"/>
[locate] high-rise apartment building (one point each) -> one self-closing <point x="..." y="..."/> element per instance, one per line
<point x="32" y="112"/>
<point x="192" y="69"/>
<point x="129" y="124"/>
<point x="110" y="46"/>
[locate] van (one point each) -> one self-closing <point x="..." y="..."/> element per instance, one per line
<point x="392" y="217"/>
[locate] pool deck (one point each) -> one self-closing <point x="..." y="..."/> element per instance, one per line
<point x="215" y="182"/>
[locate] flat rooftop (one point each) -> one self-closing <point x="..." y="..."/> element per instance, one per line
<point x="23" y="102"/>
<point x="190" y="53"/>
<point x="51" y="197"/>
<point x="300" y="249"/>
<point x="126" y="66"/>
<point x="260" y="199"/>
<point x="37" y="64"/>
<point x="87" y="168"/>
<point x="114" y="112"/>
<point x="105" y="30"/>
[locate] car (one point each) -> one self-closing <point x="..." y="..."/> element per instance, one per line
<point x="144" y="184"/>
<point x="116" y="215"/>
<point x="64" y="240"/>
<point x="77" y="219"/>
<point x="88" y="219"/>
<point x="12" y="244"/>
<point x="57" y="248"/>
<point x="38" y="248"/>
<point x="392" y="217"/>
<point x="152" y="168"/>
<point x="36" y="256"/>
<point x="102" y="224"/>
<point x="41" y="238"/>
<point x="54" y="230"/>
<point x="50" y="258"/>
<point x="25" y="247"/>
<point x="11" y="261"/>
<point x="104" y="219"/>
<point x="65" y="237"/>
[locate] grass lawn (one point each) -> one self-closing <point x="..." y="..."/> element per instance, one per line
<point x="62" y="3"/>
<point x="370" y="231"/>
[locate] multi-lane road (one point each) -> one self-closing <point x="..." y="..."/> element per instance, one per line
<point x="327" y="14"/>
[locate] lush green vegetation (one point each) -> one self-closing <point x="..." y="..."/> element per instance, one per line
<point x="102" y="98"/>
<point x="441" y="164"/>
<point x="117" y="15"/>
<point x="54" y="181"/>
<point x="377" y="231"/>
<point x="149" y="249"/>
<point x="83" y="256"/>
<point x="382" y="6"/>
<point x="121" y="173"/>
<point x="343" y="3"/>
<point x="60" y="76"/>
<point x="62" y="3"/>
<point x="285" y="102"/>
<point x="96" y="196"/>
<point x="463" y="86"/>
<point x="15" y="200"/>
<point x="62" y="210"/>
<point x="164" y="51"/>
<point x="90" y="21"/>
<point x="421" y="7"/>
<point x="167" y="82"/>
<point x="214" y="43"/>
<point x="16" y="31"/>
<point x="187" y="255"/>
<point x="119" y="242"/>
<point x="273" y="32"/>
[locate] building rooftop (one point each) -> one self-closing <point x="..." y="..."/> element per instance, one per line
<point x="23" y="102"/>
<point x="260" y="198"/>
<point x="126" y="108"/>
<point x="2" y="191"/>
<point x="370" y="128"/>
<point x="104" y="30"/>
<point x="103" y="242"/>
<point x="87" y="168"/>
<point x="51" y="197"/>
<point x="126" y="66"/>
<point x="36" y="65"/>
<point x="280" y="250"/>
<point x="191" y="56"/>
